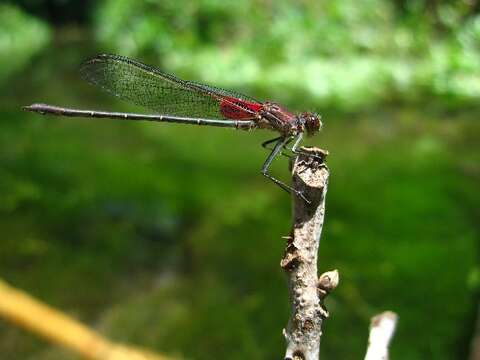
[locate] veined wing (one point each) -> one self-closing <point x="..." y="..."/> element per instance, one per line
<point x="165" y="93"/>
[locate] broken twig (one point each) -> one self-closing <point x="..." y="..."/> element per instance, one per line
<point x="307" y="290"/>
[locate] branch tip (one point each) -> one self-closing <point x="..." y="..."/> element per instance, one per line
<point x="382" y="328"/>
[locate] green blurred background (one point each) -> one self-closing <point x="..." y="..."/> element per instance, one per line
<point x="168" y="237"/>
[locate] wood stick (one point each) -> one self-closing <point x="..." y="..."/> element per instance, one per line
<point x="307" y="290"/>
<point x="23" y="310"/>
<point x="382" y="327"/>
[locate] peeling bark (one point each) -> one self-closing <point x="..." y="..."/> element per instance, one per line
<point x="307" y="290"/>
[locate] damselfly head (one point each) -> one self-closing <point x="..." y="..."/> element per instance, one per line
<point x="311" y="122"/>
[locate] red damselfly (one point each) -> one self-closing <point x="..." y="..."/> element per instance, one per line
<point x="188" y="102"/>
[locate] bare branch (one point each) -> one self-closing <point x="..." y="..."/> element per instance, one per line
<point x="57" y="327"/>
<point x="307" y="291"/>
<point x="382" y="327"/>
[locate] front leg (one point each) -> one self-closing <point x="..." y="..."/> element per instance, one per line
<point x="295" y="150"/>
<point x="266" y="166"/>
<point x="297" y="141"/>
<point x="266" y="144"/>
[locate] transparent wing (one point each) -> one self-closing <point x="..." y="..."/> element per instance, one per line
<point x="161" y="92"/>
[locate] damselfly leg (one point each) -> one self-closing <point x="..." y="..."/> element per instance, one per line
<point x="279" y="146"/>
<point x="294" y="149"/>
<point x="266" y="144"/>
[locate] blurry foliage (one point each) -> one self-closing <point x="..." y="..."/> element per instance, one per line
<point x="21" y="36"/>
<point x="325" y="51"/>
<point x="58" y="12"/>
<point x="168" y="237"/>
